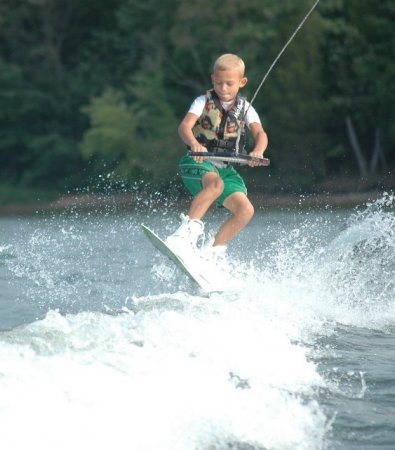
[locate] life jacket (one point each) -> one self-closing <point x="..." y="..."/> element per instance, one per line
<point x="217" y="128"/>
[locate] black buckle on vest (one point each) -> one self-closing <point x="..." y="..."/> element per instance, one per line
<point x="220" y="144"/>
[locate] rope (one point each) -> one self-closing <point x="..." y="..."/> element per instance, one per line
<point x="282" y="51"/>
<point x="270" y="69"/>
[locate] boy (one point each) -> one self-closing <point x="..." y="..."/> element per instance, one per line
<point x="212" y="122"/>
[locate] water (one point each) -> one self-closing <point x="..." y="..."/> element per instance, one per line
<point x="103" y="344"/>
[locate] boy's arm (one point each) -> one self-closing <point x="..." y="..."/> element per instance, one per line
<point x="185" y="133"/>
<point x="260" y="138"/>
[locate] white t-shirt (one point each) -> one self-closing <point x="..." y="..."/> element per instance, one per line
<point x="198" y="104"/>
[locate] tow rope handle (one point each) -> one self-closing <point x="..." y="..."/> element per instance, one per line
<point x="232" y="158"/>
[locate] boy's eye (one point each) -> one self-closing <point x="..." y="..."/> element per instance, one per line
<point x="229" y="83"/>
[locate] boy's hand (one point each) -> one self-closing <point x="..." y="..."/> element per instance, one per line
<point x="260" y="139"/>
<point x="255" y="154"/>
<point x="198" y="148"/>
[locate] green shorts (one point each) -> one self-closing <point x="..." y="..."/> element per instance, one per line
<point x="192" y="173"/>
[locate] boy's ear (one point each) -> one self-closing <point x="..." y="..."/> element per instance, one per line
<point x="243" y="81"/>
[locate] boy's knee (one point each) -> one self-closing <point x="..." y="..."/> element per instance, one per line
<point x="215" y="186"/>
<point x="245" y="212"/>
<point x="248" y="211"/>
<point x="219" y="186"/>
<point x="239" y="205"/>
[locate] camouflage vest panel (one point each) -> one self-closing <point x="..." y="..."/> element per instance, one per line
<point x="216" y="123"/>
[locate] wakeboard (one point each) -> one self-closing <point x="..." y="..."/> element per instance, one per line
<point x="188" y="268"/>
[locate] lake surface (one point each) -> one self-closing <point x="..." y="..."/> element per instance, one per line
<point x="104" y="344"/>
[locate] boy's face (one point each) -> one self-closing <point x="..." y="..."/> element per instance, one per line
<point x="227" y="83"/>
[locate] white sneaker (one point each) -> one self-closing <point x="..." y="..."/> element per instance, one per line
<point x="184" y="240"/>
<point x="214" y="253"/>
<point x="216" y="265"/>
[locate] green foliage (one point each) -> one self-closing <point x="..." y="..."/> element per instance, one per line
<point x="133" y="132"/>
<point x="112" y="132"/>
<point x="92" y="86"/>
<point x="359" y="67"/>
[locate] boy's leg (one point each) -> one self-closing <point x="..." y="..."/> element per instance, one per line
<point x="242" y="212"/>
<point x="206" y="186"/>
<point x="213" y="187"/>
<point x="204" y="182"/>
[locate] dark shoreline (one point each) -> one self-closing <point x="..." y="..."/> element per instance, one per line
<point x="130" y="202"/>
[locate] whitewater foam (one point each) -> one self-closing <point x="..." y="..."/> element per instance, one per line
<point x="159" y="378"/>
<point x="168" y="368"/>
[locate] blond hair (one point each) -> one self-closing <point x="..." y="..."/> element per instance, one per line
<point x="229" y="61"/>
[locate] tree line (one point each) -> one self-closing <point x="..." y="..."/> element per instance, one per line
<point x="92" y="87"/>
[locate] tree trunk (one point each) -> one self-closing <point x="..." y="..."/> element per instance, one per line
<point x="356" y="148"/>
<point x="376" y="152"/>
